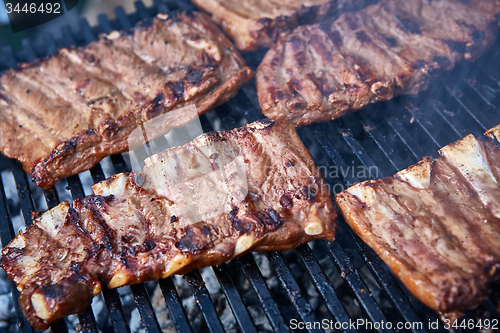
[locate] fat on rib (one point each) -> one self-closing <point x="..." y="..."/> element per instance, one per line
<point x="62" y="114"/>
<point x="254" y="188"/>
<point x="319" y="72"/>
<point x="437" y="223"/>
<point x="254" y="24"/>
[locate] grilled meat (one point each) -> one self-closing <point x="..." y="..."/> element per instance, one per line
<point x="321" y="71"/>
<point x="254" y="188"/>
<point x="253" y="24"/>
<point x="437" y="223"/>
<point x="61" y="115"/>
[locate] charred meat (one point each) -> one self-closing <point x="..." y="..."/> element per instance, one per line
<point x="63" y="114"/>
<point x="253" y="24"/>
<point x="254" y="188"/>
<point x="321" y="71"/>
<point x="436" y="224"/>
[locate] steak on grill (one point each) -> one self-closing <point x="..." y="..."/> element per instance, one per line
<point x="436" y="224"/>
<point x="254" y="188"/>
<point x="253" y="24"/>
<point x="321" y="71"/>
<point x="61" y="115"/>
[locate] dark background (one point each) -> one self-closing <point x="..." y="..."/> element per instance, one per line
<point x="85" y="8"/>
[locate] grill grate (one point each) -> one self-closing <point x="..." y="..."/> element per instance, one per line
<point x="349" y="280"/>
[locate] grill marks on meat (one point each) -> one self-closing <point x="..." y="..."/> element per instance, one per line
<point x="254" y="24"/>
<point x="321" y="71"/>
<point x="437" y="223"/>
<point x="63" y="114"/>
<point x="146" y="225"/>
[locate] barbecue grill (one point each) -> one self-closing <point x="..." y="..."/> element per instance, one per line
<point x="339" y="281"/>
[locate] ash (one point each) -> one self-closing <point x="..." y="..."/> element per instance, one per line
<point x="8" y="316"/>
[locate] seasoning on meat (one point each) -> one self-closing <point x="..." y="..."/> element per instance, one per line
<point x="321" y="71"/>
<point x="436" y="224"/>
<point x="61" y="115"/>
<point x="253" y="24"/>
<point x="254" y="188"/>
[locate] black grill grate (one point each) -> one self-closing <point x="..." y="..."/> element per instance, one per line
<point x="349" y="280"/>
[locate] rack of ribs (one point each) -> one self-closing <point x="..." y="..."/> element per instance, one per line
<point x="62" y="114"/>
<point x="436" y="224"/>
<point x="254" y="24"/>
<point x="319" y="72"/>
<point x="254" y="188"/>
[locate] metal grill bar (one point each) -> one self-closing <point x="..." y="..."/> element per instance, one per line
<point x="285" y="276"/>
<point x="60" y="326"/>
<point x="115" y="310"/>
<point x="6" y="235"/>
<point x="111" y="297"/>
<point x="292" y="288"/>
<point x="258" y="283"/>
<point x="354" y="144"/>
<point x="104" y="23"/>
<point x="475" y="111"/>
<point x="202" y="297"/>
<point x="145" y="308"/>
<point x="122" y="18"/>
<point x="381" y="141"/>
<point x="351" y="275"/>
<point x="234" y="299"/>
<point x="141" y="10"/>
<point x="88" y="36"/>
<point x="174" y="305"/>
<point x="51" y="45"/>
<point x="407" y="139"/>
<point x="23" y="191"/>
<point x="323" y="285"/>
<point x="86" y="319"/>
<point x="388" y="139"/>
<point x="384" y="277"/>
<point x="452" y="121"/>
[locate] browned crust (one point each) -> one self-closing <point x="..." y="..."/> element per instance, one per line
<point x="415" y="282"/>
<point x="131" y="232"/>
<point x="494" y="133"/>
<point x="234" y="24"/>
<point x="452" y="299"/>
<point x="320" y="72"/>
<point x="451" y="199"/>
<point x="250" y="34"/>
<point x="85" y="149"/>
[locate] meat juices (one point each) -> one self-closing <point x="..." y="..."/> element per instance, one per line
<point x="62" y="114"/>
<point x="321" y="71"/>
<point x="254" y="188"/>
